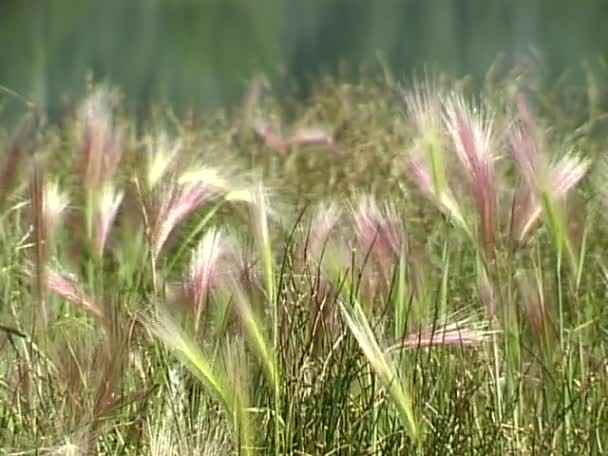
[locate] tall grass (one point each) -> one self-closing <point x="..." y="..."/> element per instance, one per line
<point x="394" y="275"/>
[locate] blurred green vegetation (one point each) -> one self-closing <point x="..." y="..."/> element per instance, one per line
<point x="201" y="54"/>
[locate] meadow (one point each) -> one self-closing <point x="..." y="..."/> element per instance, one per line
<point x="380" y="269"/>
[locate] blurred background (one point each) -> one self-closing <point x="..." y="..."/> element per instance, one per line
<point x="202" y="54"/>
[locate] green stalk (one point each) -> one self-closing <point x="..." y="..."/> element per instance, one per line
<point x="265" y="250"/>
<point x="400" y="300"/>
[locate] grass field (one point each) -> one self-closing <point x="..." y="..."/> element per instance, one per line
<point x="378" y="270"/>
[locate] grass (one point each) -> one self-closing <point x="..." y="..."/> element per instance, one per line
<point x="377" y="271"/>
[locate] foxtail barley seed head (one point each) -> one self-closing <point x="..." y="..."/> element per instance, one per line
<point x="101" y="139"/>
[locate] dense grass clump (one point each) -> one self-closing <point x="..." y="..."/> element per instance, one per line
<point x="379" y="271"/>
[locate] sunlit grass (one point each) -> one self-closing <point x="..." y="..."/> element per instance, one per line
<point x="360" y="274"/>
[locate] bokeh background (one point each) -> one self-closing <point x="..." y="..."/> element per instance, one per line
<point x="201" y="54"/>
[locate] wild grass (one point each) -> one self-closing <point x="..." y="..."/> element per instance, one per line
<point x="378" y="271"/>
